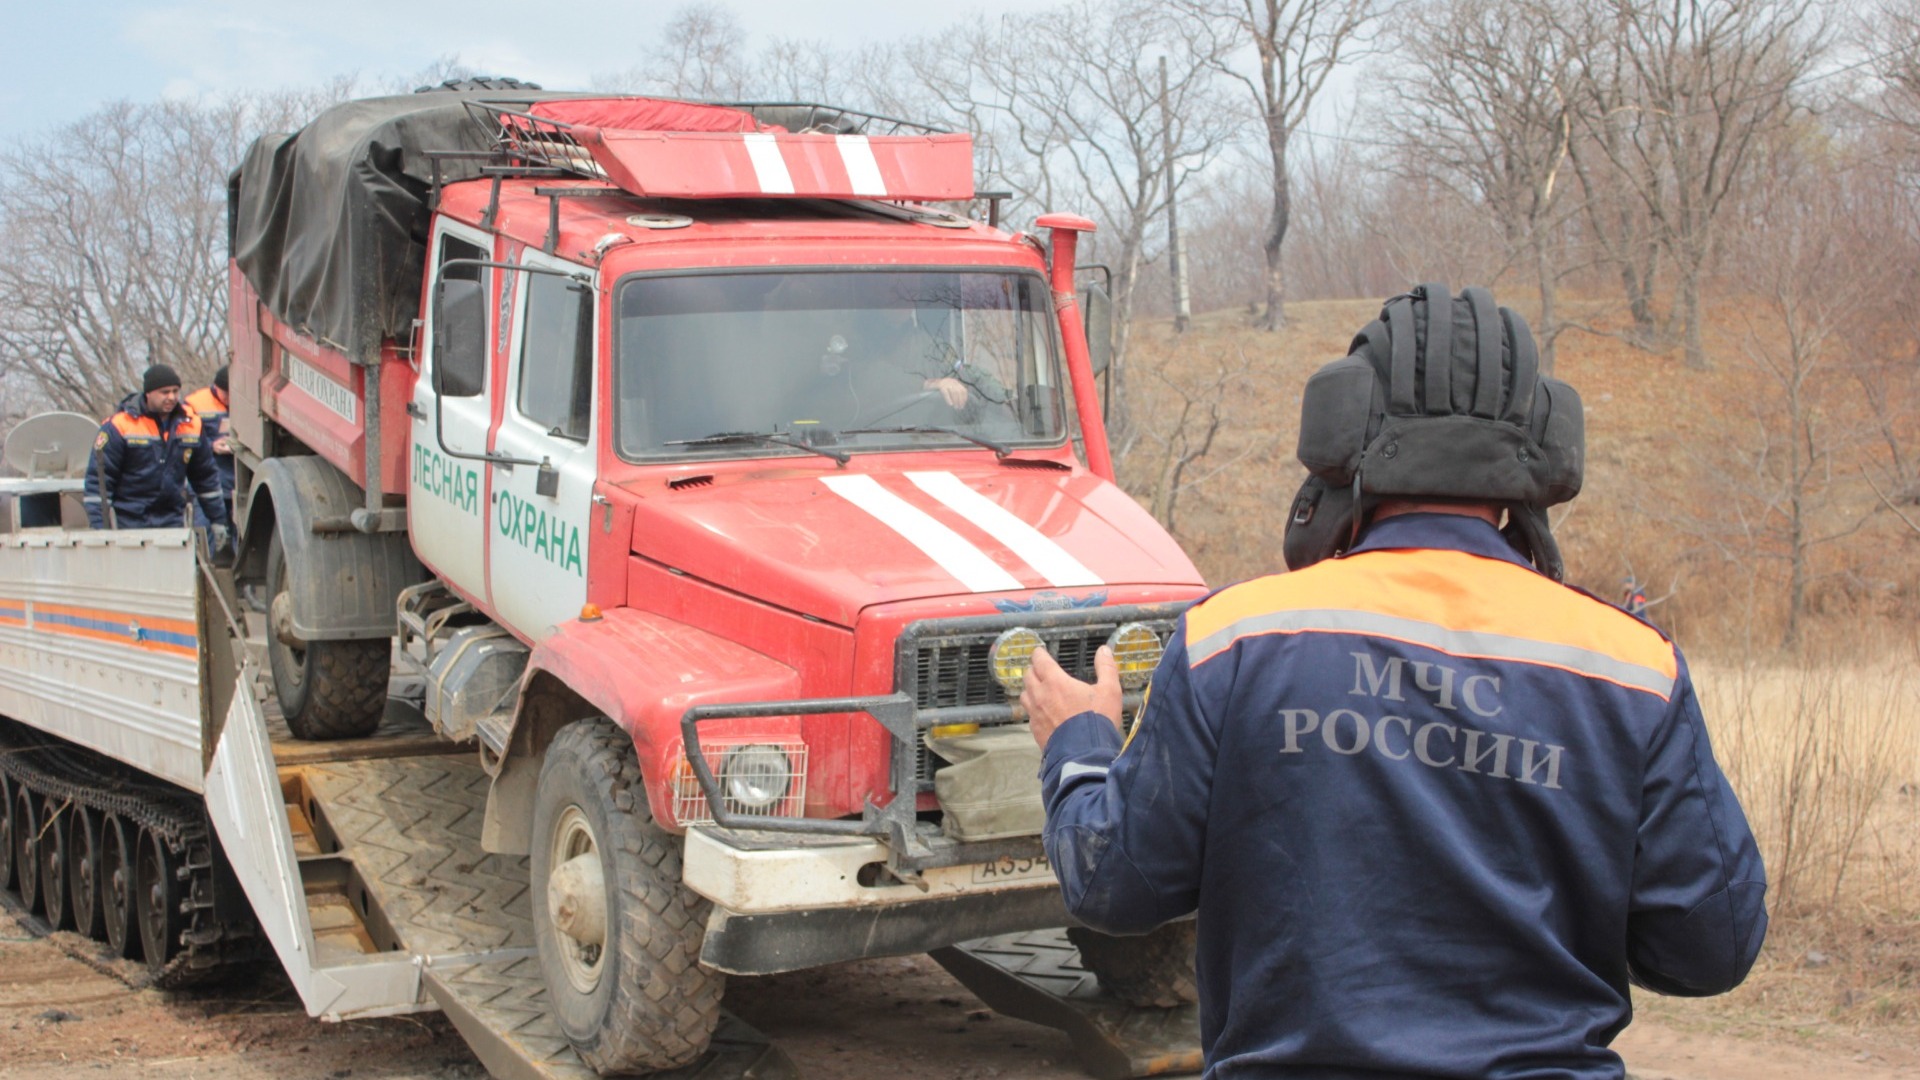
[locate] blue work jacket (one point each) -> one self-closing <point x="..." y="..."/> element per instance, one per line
<point x="142" y="466"/>
<point x="1435" y="812"/>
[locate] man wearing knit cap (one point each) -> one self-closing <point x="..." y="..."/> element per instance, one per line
<point x="145" y="457"/>
<point x="210" y="404"/>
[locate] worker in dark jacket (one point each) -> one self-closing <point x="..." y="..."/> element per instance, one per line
<point x="145" y="457"/>
<point x="210" y="404"/>
<point x="1435" y="810"/>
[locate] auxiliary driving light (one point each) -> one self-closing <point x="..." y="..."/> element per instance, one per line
<point x="756" y="776"/>
<point x="1011" y="656"/>
<point x="1136" y="649"/>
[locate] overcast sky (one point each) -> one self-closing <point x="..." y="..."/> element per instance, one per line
<point x="71" y="56"/>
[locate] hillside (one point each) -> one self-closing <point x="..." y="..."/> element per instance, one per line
<point x="1687" y="482"/>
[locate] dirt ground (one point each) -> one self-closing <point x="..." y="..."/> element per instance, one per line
<point x="65" y="1014"/>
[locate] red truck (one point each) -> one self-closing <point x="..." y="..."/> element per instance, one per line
<point x="715" y="474"/>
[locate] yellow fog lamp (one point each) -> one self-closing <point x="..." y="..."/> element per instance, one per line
<point x="1136" y="649"/>
<point x="1011" y="656"/>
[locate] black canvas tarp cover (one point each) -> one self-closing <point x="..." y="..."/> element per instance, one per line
<point x="329" y="224"/>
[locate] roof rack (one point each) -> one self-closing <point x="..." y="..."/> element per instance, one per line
<point x="695" y="150"/>
<point x="812" y="118"/>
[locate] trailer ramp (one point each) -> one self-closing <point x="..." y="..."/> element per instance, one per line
<point x="363" y="862"/>
<point x="1037" y="977"/>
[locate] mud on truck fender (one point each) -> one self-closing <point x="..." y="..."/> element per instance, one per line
<point x="330" y="594"/>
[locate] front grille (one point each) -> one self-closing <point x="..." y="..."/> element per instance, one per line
<point x="949" y="674"/>
<point x="943" y="663"/>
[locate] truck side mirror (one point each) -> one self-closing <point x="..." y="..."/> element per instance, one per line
<point x="459" y="338"/>
<point x="1097" y="308"/>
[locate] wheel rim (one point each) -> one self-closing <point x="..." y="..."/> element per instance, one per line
<point x="83" y="843"/>
<point x="26" y="849"/>
<point x="296" y="656"/>
<point x="116" y="888"/>
<point x="154" y="899"/>
<point x="53" y="863"/>
<point x="583" y="962"/>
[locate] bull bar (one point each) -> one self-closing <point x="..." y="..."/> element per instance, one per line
<point x="913" y="845"/>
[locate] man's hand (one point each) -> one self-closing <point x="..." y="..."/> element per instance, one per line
<point x="222" y="446"/>
<point x="1052" y="697"/>
<point x="952" y="391"/>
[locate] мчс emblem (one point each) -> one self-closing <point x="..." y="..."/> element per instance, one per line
<point x="1051" y="601"/>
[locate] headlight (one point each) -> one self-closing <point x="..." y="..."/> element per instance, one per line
<point x="756" y="776"/>
<point x="1011" y="656"/>
<point x="1137" y="649"/>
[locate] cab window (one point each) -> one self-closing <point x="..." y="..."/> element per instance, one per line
<point x="556" y="357"/>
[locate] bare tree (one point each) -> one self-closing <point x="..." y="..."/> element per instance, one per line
<point x="1892" y="38"/>
<point x="1296" y="45"/>
<point x="1079" y="119"/>
<point x="1617" y="220"/>
<point x="1815" y="269"/>
<point x="117" y="224"/>
<point x="1481" y="94"/>
<point x="117" y="228"/>
<point x="1708" y="81"/>
<point x="1195" y="400"/>
<point x="701" y="53"/>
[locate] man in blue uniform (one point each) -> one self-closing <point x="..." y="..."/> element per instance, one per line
<point x="209" y="403"/>
<point x="1435" y="810"/>
<point x="146" y="455"/>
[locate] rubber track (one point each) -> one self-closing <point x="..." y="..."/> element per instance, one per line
<point x="54" y="769"/>
<point x="347" y="694"/>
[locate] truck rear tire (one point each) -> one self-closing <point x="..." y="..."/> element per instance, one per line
<point x="1152" y="971"/>
<point x="619" y="935"/>
<point x="327" y="689"/>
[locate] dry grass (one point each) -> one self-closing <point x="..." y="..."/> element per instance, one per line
<point x="1821" y="742"/>
<point x="1826" y="760"/>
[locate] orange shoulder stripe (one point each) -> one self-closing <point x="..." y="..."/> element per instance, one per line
<point x="1447" y="600"/>
<point x="134" y="425"/>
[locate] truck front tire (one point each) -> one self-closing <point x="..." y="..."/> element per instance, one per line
<point x="619" y="935"/>
<point x="327" y="689"/>
<point x="1152" y="971"/>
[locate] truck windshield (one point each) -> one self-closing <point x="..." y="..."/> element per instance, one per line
<point x="824" y="358"/>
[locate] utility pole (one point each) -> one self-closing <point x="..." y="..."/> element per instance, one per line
<point x="1176" y="262"/>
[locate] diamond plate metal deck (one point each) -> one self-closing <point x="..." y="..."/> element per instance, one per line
<point x="1036" y="976"/>
<point x="410" y="825"/>
<point x="500" y="1008"/>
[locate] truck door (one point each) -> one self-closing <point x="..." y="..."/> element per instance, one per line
<point x="538" y="547"/>
<point x="446" y="496"/>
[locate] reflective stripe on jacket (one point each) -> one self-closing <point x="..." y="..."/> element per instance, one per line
<point x="1434" y="810"/>
<point x="142" y="466"/>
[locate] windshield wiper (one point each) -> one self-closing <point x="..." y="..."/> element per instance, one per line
<point x="1000" y="450"/>
<point x="716" y="439"/>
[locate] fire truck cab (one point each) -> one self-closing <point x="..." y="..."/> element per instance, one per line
<point x="715" y="474"/>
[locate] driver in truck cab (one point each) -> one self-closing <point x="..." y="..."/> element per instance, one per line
<point x="1437" y="812"/>
<point x="901" y="365"/>
<point x="146" y="456"/>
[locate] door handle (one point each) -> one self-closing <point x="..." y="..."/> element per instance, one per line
<point x="606" y="511"/>
<point x="415" y="411"/>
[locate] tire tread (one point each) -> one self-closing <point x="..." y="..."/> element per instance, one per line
<point x="663" y="1013"/>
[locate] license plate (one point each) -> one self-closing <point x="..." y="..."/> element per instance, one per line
<point x="1008" y="868"/>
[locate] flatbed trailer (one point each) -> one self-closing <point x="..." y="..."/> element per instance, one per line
<point x="144" y="765"/>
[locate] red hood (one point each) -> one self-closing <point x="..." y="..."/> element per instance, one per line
<point x="831" y="542"/>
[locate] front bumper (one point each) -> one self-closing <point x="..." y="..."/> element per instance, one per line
<point x="781" y="902"/>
